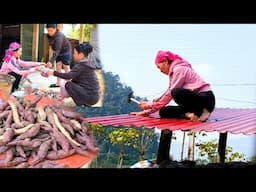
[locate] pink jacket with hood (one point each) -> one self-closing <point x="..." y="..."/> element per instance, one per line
<point x="181" y="75"/>
<point x="18" y="66"/>
<point x="12" y="64"/>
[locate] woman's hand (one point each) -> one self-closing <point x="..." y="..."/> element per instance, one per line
<point x="144" y="105"/>
<point x="48" y="65"/>
<point x="46" y="72"/>
<point x="50" y="72"/>
<point x="39" y="68"/>
<point x="25" y="73"/>
<point x="42" y="64"/>
<point x="142" y="113"/>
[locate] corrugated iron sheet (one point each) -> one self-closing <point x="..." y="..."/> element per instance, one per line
<point x="221" y="120"/>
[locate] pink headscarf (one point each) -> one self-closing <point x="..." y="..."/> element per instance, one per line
<point x="9" y="52"/>
<point x="162" y="55"/>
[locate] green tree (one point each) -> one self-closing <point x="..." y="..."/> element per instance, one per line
<point x="209" y="149"/>
<point x="144" y="141"/>
<point x="75" y="31"/>
<point x="123" y="137"/>
<point x="99" y="132"/>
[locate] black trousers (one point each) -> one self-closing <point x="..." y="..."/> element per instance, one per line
<point x="16" y="82"/>
<point x="188" y="101"/>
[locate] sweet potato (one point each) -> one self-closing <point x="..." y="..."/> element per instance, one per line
<point x="63" y="142"/>
<point x="60" y="115"/>
<point x="54" y="144"/>
<point x="15" y="161"/>
<point x="3" y="149"/>
<point x="24" y="123"/>
<point x="45" y="123"/>
<point x="72" y="114"/>
<point x="22" y="165"/>
<point x="69" y="128"/>
<point x="4" y="114"/>
<point x="20" y="107"/>
<point x="54" y="155"/>
<point x="20" y="151"/>
<point x="33" y="131"/>
<point x="63" y="130"/>
<point x="29" y="116"/>
<point x="41" y="115"/>
<point x="14" y="113"/>
<point x="24" y="129"/>
<point x="3" y="106"/>
<point x="7" y="123"/>
<point x="75" y="124"/>
<point x="7" y="136"/>
<point x="88" y="140"/>
<point x="42" y="152"/>
<point x="9" y="154"/>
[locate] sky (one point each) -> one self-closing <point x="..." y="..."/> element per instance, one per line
<point x="223" y="55"/>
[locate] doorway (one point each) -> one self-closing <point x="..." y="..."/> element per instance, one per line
<point x="8" y="33"/>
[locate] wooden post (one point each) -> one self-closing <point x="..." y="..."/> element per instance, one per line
<point x="182" y="146"/>
<point x="191" y="143"/>
<point x="164" y="146"/>
<point x="81" y="33"/>
<point x="35" y="42"/>
<point x="60" y="27"/>
<point x="222" y="147"/>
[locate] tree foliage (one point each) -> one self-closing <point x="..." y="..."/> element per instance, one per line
<point x="208" y="152"/>
<point x="140" y="139"/>
<point x="123" y="137"/>
<point x="75" y="31"/>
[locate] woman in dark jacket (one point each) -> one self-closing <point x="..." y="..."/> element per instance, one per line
<point x="82" y="83"/>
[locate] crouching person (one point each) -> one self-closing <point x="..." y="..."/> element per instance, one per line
<point x="16" y="67"/>
<point x="81" y="82"/>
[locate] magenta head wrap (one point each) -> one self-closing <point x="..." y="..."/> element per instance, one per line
<point x="9" y="52"/>
<point x="162" y="55"/>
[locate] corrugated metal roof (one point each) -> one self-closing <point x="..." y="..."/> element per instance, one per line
<point x="221" y="120"/>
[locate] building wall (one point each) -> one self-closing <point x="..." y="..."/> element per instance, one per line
<point x="26" y="41"/>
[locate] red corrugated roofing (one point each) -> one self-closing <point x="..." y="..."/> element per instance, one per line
<point x="221" y="120"/>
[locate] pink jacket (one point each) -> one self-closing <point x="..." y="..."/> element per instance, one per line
<point x="17" y="66"/>
<point x="181" y="75"/>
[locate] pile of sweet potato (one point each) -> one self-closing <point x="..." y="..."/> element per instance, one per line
<point x="42" y="134"/>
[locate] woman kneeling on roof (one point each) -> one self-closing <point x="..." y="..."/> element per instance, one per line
<point x="193" y="95"/>
<point x="82" y="84"/>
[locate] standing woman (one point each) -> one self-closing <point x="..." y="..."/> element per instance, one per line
<point x="16" y="67"/>
<point x="193" y="95"/>
<point x="82" y="83"/>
